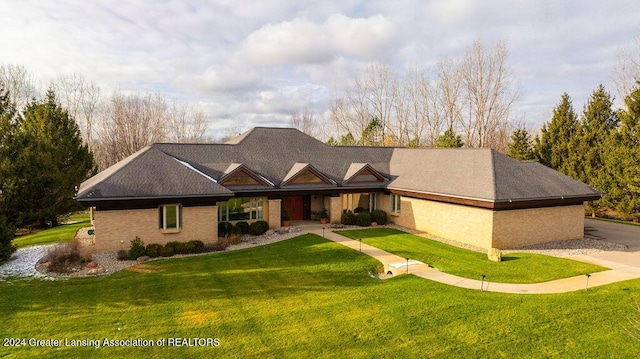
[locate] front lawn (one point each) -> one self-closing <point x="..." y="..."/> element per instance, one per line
<point x="515" y="267"/>
<point x="308" y="298"/>
<point x="63" y="232"/>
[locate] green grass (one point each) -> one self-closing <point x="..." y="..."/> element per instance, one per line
<point x="308" y="297"/>
<point x="514" y="268"/>
<point x="65" y="232"/>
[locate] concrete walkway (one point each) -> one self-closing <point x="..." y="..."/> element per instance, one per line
<point x="618" y="273"/>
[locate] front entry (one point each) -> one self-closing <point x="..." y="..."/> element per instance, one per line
<point x="298" y="207"/>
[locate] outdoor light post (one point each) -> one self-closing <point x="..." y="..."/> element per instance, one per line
<point x="407" y="265"/>
<point x="322" y="231"/>
<point x="360" y="244"/>
<point x="587" y="287"/>
<point x="482" y="283"/>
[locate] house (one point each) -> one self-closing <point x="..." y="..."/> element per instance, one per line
<point x="179" y="192"/>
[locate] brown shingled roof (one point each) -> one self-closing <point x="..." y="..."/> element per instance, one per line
<point x="479" y="177"/>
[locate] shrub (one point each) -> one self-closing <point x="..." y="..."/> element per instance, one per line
<point x="6" y="236"/>
<point x="285" y="215"/>
<point x="153" y="250"/>
<point x="172" y="245"/>
<point x="379" y="216"/>
<point x="363" y="219"/>
<point x="179" y="248"/>
<point x="137" y="248"/>
<point x="358" y="210"/>
<point x="377" y="269"/>
<point x="67" y="257"/>
<point x="220" y="245"/>
<point x="189" y="248"/>
<point x="236" y="231"/>
<point x="348" y="219"/>
<point x="198" y="245"/>
<point x="244" y="227"/>
<point x="256" y="229"/>
<point x="264" y="225"/>
<point x="122" y="255"/>
<point x="234" y="238"/>
<point x="166" y="251"/>
<point x="224" y="229"/>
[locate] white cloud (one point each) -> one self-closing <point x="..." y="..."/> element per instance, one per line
<point x="300" y="41"/>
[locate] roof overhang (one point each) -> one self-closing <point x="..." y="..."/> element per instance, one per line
<point x="498" y="205"/>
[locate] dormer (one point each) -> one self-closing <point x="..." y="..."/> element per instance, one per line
<point x="239" y="175"/>
<point x="306" y="174"/>
<point x="362" y="173"/>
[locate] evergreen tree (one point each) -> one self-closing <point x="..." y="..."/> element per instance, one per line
<point x="347" y="140"/>
<point x="592" y="144"/>
<point x="7" y="124"/>
<point x="449" y="139"/>
<point x="332" y="141"/>
<point x="373" y="134"/>
<point x="553" y="147"/>
<point x="622" y="162"/>
<point x="48" y="161"/>
<point x="521" y="146"/>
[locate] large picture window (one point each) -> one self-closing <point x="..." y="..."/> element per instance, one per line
<point x="357" y="202"/>
<point x="169" y="216"/>
<point x="240" y="209"/>
<point x="396" y="199"/>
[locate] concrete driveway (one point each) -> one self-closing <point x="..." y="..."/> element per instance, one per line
<point x="628" y="235"/>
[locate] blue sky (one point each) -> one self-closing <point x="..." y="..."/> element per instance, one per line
<point x="253" y="63"/>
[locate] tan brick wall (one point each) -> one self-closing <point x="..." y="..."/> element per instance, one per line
<point x="272" y="213"/>
<point x="523" y="227"/>
<point x="459" y="223"/>
<point x="114" y="230"/>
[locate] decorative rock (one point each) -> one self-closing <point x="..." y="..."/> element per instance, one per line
<point x="142" y="259"/>
<point x="91" y="265"/>
<point x="494" y="254"/>
<point x="96" y="270"/>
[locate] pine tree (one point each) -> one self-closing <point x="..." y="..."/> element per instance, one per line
<point x="521" y="146"/>
<point x="593" y="145"/>
<point x="622" y="162"/>
<point x="7" y="124"/>
<point x="48" y="161"/>
<point x="553" y="147"/>
<point x="449" y="139"/>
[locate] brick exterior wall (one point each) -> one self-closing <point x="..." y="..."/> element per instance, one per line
<point x="114" y="230"/>
<point x="523" y="227"/>
<point x="272" y="213"/>
<point x="458" y="223"/>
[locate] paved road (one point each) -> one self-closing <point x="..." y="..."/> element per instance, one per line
<point x="626" y="234"/>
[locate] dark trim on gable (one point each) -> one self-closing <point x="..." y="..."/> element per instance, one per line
<point x="366" y="167"/>
<point x="324" y="178"/>
<point x="248" y="172"/>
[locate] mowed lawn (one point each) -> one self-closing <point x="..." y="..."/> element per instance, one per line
<point x="61" y="233"/>
<point x="514" y="268"/>
<point x="308" y="297"/>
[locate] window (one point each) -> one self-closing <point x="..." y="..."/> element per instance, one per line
<point x="396" y="199"/>
<point x="240" y="209"/>
<point x="374" y="201"/>
<point x="357" y="202"/>
<point x="169" y="216"/>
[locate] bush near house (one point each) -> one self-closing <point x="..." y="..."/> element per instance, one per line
<point x="153" y="250"/>
<point x="122" y="255"/>
<point x="363" y="219"/>
<point x="256" y="229"/>
<point x="137" y="249"/>
<point x="166" y="251"/>
<point x="264" y="225"/>
<point x="224" y="229"/>
<point x="244" y="227"/>
<point x="6" y="236"/>
<point x="379" y="216"/>
<point x="348" y="218"/>
<point x="198" y="245"/>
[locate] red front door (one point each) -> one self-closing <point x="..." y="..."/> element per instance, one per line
<point x="295" y="206"/>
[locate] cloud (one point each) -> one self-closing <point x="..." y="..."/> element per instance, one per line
<point x="301" y="41"/>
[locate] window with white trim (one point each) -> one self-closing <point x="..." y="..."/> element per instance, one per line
<point x="170" y="216"/>
<point x="396" y="199"/>
<point x="241" y="209"/>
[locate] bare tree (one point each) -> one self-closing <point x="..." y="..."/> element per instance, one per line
<point x="186" y="124"/>
<point x="626" y="74"/>
<point x="305" y="121"/>
<point x="19" y="83"/>
<point x="490" y="91"/>
<point x="80" y="98"/>
<point x="129" y="123"/>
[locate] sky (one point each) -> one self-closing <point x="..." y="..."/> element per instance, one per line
<point x="251" y="63"/>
